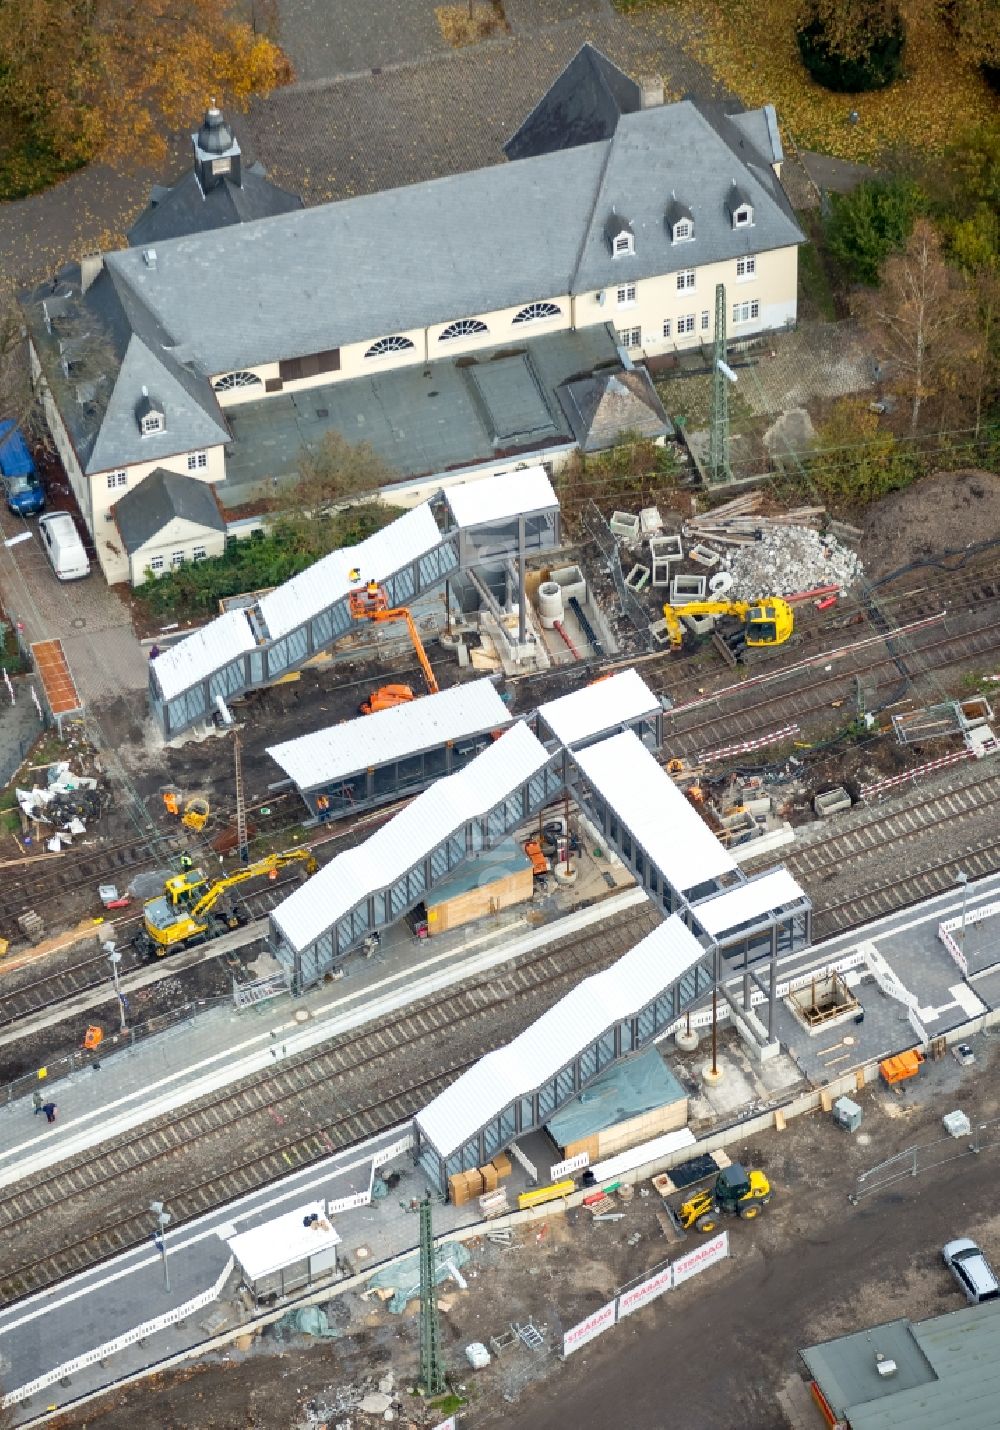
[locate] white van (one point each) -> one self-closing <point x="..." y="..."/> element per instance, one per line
<point x="62" y="545"/>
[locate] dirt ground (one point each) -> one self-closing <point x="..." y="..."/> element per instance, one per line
<point x="945" y="512"/>
<point x="721" y="1347"/>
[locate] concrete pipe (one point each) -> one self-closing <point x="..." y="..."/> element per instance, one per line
<point x="720" y="583"/>
<point x="550" y="604"/>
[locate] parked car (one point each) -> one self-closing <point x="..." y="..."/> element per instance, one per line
<point x="24" y="492"/>
<point x="971" y="1270"/>
<point x="62" y="545"/>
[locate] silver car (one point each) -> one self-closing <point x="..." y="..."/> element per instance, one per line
<point x="971" y="1270"/>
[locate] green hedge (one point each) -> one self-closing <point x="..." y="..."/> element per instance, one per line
<point x="876" y="69"/>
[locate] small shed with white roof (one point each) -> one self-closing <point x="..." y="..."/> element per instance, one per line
<point x="286" y="1253"/>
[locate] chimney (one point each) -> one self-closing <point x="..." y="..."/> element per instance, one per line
<point x="149" y="257"/>
<point x="90" y="268"/>
<point x="652" y="90"/>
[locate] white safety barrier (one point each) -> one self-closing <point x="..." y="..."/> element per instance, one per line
<point x="558" y="1170"/>
<point x="121" y="1343"/>
<point x="774" y="737"/>
<point x="703" y="1018"/>
<point x="395" y="1149"/>
<point x="665" y="1278"/>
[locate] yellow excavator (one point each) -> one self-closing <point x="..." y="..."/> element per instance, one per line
<point x="372" y="604"/>
<point x="186" y="913"/>
<point x="765" y="623"/>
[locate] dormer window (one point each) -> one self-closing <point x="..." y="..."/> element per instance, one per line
<point x="150" y="415"/>
<point x="683" y="230"/>
<point x="739" y="207"/>
<point x="619" y="235"/>
<point x="679" y="220"/>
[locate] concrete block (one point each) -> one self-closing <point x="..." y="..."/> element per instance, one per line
<point x="664" y="551"/>
<point x="650" y="521"/>
<point x="699" y="625"/>
<point x="624" y="525"/>
<point x="658" y="630"/>
<point x="703" y="555"/>
<point x="638" y="578"/>
<point x="687" y="588"/>
<point x="831" y="802"/>
<point x="956" y="1124"/>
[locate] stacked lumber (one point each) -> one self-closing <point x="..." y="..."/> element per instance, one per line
<point x="740" y="521"/>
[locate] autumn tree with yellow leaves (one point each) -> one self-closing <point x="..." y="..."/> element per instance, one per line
<point x="976" y="27"/>
<point x="921" y="323"/>
<point x="109" y="79"/>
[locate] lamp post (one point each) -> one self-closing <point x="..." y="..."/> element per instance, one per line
<point x="963" y="879"/>
<point x="163" y="1219"/>
<point x="115" y="958"/>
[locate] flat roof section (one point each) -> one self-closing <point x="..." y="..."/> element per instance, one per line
<point x="281" y="1242"/>
<point x="388" y="735"/>
<point x="650" y="805"/>
<point x="601" y="706"/>
<point x="771" y="892"/>
<point x="624" y="1091"/>
<point x="491" y="500"/>
<point x="555" y="1038"/>
<point x="387" y="854"/>
<point x="61" y="694"/>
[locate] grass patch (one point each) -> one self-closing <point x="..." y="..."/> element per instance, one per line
<point x="816" y="295"/>
<point x="468" y="24"/>
<point x="752" y="50"/>
<point x="28" y="163"/>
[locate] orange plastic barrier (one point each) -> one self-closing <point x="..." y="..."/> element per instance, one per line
<point x="899" y="1068"/>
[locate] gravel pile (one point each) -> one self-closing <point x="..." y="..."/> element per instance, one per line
<point x="789" y="559"/>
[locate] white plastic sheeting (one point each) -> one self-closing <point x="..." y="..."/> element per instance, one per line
<point x="554" y="1040"/>
<point x="328" y="580"/>
<point x="501" y="498"/>
<point x="583" y="713"/>
<point x="649" y="804"/>
<point x="282" y="1241"/>
<point x="752" y="900"/>
<point x="388" y="853"/>
<point x="202" y="653"/>
<point x="353" y="745"/>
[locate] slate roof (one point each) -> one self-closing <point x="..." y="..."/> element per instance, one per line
<point x="602" y="407"/>
<point x="412" y="257"/>
<point x="158" y="498"/>
<point x="186" y="208"/>
<point x="583" y="106"/>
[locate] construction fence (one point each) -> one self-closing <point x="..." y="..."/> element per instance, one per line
<point x="601" y="534"/>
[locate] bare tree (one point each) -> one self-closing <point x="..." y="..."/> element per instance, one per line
<point x="919" y="320"/>
<point x="332" y="473"/>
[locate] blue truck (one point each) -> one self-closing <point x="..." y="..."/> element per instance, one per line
<point x="21" y="486"/>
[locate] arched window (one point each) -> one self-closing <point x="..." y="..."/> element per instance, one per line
<point x="384" y="346"/>
<point x="535" y="311"/>
<point x="464" y="328"/>
<point x="233" y="380"/>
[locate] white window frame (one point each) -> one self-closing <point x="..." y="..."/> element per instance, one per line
<point x="393" y="343"/>
<point x="199" y="553"/>
<point x="156" y="564"/>
<point x="117" y="480"/>
<point x="197" y="461"/>
<point x="623" y="245"/>
<point x="230" y="381"/>
<point x="685" y="325"/>
<point x="706" y="320"/>
<point x="743" y="216"/>
<point x="667" y="328"/>
<point x="748" y="311"/>
<point x="630" y="338"/>
<point x="152" y="422"/>
<point x="686" y="280"/>
<point x="683" y="231"/>
<point x="746" y="268"/>
<point x="627" y="295"/>
<point x="177" y="560"/>
<point x="539" y="312"/>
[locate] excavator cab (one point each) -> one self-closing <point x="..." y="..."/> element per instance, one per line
<point x="737" y="1192"/>
<point x="769" y="624"/>
<point x="185" y="888"/>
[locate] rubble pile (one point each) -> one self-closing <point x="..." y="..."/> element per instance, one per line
<point x="66" y="804"/>
<point x="788" y="559"/>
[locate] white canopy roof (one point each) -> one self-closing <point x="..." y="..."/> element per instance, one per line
<point x="757" y="897"/>
<point x="495" y="499"/>
<point x="268" y="1248"/>
<point x="342" y="750"/>
<point x="648" y="803"/>
<point x="557" y="1036"/>
<point x="583" y="713"/>
<point x="328" y="580"/>
<point x="388" y="853"/>
<point x="203" y="653"/>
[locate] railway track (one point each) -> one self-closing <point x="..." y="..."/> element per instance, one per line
<point x="455" y="1028"/>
